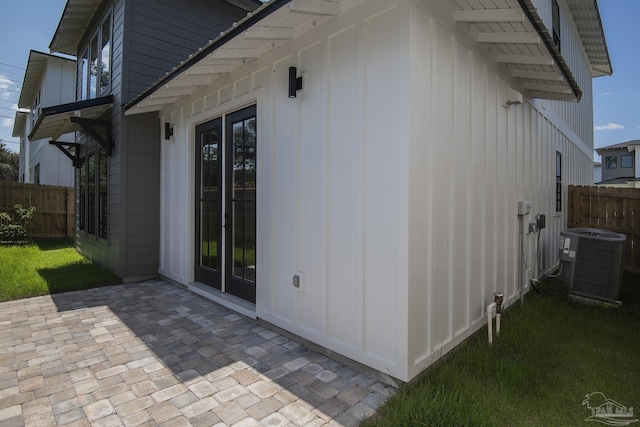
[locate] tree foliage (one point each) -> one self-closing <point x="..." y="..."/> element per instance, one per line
<point x="9" y="164"/>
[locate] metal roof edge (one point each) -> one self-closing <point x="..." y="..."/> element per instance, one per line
<point x="631" y="143"/>
<point x="71" y="106"/>
<point x="530" y="10"/>
<point x="251" y="19"/>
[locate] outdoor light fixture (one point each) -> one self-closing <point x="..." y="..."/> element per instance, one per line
<point x="168" y="131"/>
<point x="295" y="82"/>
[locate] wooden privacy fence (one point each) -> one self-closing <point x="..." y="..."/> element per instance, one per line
<point x="54" y="215"/>
<point x="609" y="208"/>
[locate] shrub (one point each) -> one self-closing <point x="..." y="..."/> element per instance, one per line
<point x="13" y="229"/>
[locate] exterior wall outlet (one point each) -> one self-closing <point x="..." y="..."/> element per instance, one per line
<point x="533" y="227"/>
<point x="298" y="281"/>
<point x="524" y="207"/>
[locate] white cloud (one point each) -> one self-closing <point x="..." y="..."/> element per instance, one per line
<point x="607" y="93"/>
<point x="5" y="82"/>
<point x="7" y="123"/>
<point x="609" y="126"/>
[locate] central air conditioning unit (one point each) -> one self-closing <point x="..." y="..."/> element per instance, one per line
<point x="593" y="262"/>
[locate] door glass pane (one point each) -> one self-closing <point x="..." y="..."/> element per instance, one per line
<point x="209" y="201"/>
<point x="243" y="199"/>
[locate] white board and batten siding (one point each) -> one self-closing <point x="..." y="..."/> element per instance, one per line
<point x="391" y="183"/>
<point x="56" y="88"/>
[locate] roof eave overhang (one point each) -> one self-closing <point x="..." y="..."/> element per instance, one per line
<point x="74" y="21"/>
<point x="18" y="123"/>
<point x="77" y="16"/>
<point x="61" y="119"/>
<point x="537" y="71"/>
<point x="149" y="99"/>
<point x="531" y="12"/>
<point x="586" y="16"/>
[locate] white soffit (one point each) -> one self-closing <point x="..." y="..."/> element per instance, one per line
<point x="506" y="30"/>
<point x="73" y="23"/>
<point x="586" y="15"/>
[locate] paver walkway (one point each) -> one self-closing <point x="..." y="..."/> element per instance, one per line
<point x="152" y="353"/>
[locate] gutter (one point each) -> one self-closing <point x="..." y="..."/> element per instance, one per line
<point x="535" y="20"/>
<point x="237" y="29"/>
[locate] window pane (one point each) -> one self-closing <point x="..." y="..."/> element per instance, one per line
<point x="93" y="80"/>
<point x="105" y="56"/>
<point x="555" y="17"/>
<point x="611" y="162"/>
<point x="102" y="194"/>
<point x="84" y="76"/>
<point x="91" y="196"/>
<point x="626" y="161"/>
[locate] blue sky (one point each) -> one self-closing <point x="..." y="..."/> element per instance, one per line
<point x="31" y="24"/>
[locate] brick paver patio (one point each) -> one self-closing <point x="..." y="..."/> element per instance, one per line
<point x="152" y="353"/>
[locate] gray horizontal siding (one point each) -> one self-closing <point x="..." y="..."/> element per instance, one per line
<point x="161" y="33"/>
<point x="142" y="189"/>
<point x="149" y="38"/>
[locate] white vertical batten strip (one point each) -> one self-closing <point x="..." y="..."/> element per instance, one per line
<point x="451" y="184"/>
<point x="361" y="245"/>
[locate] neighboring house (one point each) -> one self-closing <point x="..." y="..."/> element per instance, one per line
<point x="379" y="212"/>
<point x="597" y="172"/>
<point x="620" y="164"/>
<point x="122" y="47"/>
<point x="48" y="80"/>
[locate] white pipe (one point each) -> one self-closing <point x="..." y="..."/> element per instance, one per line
<point x="490" y="308"/>
<point x="497" y="324"/>
<point x="521" y="266"/>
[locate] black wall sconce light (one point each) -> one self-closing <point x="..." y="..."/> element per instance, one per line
<point x="295" y="82"/>
<point x="168" y="131"/>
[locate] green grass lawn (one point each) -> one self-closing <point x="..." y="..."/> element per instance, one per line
<point x="47" y="266"/>
<point x="550" y="354"/>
